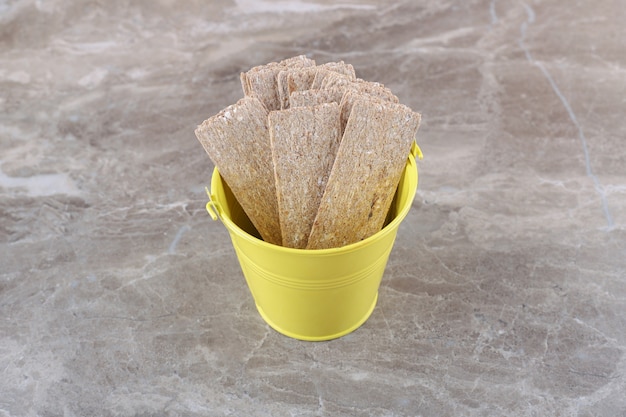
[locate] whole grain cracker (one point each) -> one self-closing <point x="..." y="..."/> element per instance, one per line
<point x="246" y="77"/>
<point x="330" y="69"/>
<point x="340" y="67"/>
<point x="370" y="88"/>
<point x="262" y="84"/>
<point x="237" y="141"/>
<point x="299" y="80"/>
<point x="304" y="143"/>
<point x="365" y="175"/>
<point x="356" y="92"/>
<point x="320" y="75"/>
<point x="294" y="80"/>
<point x="300" y="61"/>
<point x="374" y="89"/>
<point x="245" y="85"/>
<point x="311" y="98"/>
<point x="326" y="79"/>
<point x="262" y="81"/>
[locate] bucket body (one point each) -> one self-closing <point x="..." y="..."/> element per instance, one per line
<point x="313" y="294"/>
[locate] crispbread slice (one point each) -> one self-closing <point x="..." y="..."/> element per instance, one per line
<point x="340" y="67"/>
<point x="354" y="93"/>
<point x="365" y="175"/>
<point x="310" y="98"/>
<point x="262" y="84"/>
<point x="320" y="75"/>
<point x="304" y="143"/>
<point x="325" y="78"/>
<point x="332" y="68"/>
<point x="374" y="89"/>
<point x="262" y="81"/>
<point x="237" y="140"/>
<point x="301" y="79"/>
<point x="294" y="80"/>
<point x="245" y="86"/>
<point x="300" y="61"/>
<point x="247" y="78"/>
<point x="298" y="80"/>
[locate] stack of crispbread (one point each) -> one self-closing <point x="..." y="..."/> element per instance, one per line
<point x="312" y="153"/>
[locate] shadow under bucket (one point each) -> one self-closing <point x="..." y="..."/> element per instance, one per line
<point x="317" y="294"/>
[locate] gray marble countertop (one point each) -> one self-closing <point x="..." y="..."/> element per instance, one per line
<point x="504" y="294"/>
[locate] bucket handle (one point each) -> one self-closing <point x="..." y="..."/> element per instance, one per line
<point x="212" y="207"/>
<point x="416" y="151"/>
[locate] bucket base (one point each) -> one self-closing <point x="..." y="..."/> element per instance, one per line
<point x="319" y="338"/>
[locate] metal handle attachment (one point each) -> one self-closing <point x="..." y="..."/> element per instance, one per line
<point x="212" y="207"/>
<point x="416" y="151"/>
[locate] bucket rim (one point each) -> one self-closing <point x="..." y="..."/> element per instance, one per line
<point x="215" y="210"/>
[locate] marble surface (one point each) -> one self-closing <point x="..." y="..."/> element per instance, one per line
<point x="505" y="292"/>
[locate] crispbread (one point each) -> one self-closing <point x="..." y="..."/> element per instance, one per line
<point x="340" y="67"/>
<point x="332" y="68"/>
<point x="301" y="79"/>
<point x="354" y="93"/>
<point x="299" y="61"/>
<point x="304" y="143"/>
<point x="310" y="98"/>
<point x="298" y="80"/>
<point x="261" y="81"/>
<point x="366" y="172"/>
<point x="374" y="89"/>
<point x="326" y="193"/>
<point x="325" y="78"/>
<point x="245" y="86"/>
<point x="290" y="80"/>
<point x="237" y="140"/>
<point x="262" y="85"/>
<point x="320" y="75"/>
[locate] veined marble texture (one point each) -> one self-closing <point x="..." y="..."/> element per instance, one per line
<point x="505" y="293"/>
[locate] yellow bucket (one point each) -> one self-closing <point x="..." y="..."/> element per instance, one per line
<point x="318" y="294"/>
